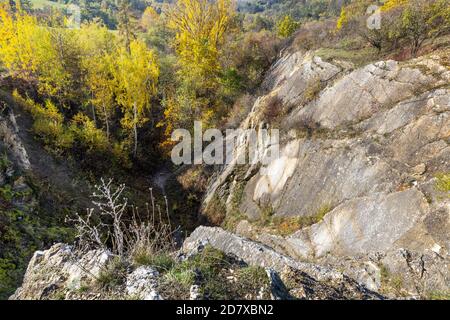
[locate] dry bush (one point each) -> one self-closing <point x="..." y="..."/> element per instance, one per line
<point x="194" y="179"/>
<point x="117" y="227"/>
<point x="315" y="34"/>
<point x="273" y="109"/>
<point x="305" y="127"/>
<point x="252" y="56"/>
<point x="241" y="109"/>
<point x="215" y="212"/>
<point x="313" y="89"/>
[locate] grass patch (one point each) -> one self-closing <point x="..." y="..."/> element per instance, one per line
<point x="439" y="295"/>
<point x="218" y="275"/>
<point x="314" y="87"/>
<point x="161" y="261"/>
<point x="235" y="216"/>
<point x="357" y="57"/>
<point x="443" y="182"/>
<point x="113" y="275"/>
<point x="287" y="225"/>
<point x="391" y="283"/>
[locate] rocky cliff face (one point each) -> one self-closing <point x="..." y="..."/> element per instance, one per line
<point x="360" y="153"/>
<point x="30" y="216"/>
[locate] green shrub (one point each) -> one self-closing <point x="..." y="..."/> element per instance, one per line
<point x="6" y="193"/>
<point x="4" y="162"/>
<point x="48" y="124"/>
<point x="180" y="276"/>
<point x="287" y="225"/>
<point x="252" y="277"/>
<point x="88" y="135"/>
<point x="208" y="264"/>
<point x="215" y="271"/>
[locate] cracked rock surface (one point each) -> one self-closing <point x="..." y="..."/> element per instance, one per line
<point x="367" y="145"/>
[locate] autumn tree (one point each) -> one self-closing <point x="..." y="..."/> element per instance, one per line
<point x="149" y="17"/>
<point x="59" y="63"/>
<point x="422" y="20"/>
<point x="18" y="45"/>
<point x="39" y="54"/>
<point x="136" y="74"/>
<point x="287" y="26"/>
<point x="353" y="20"/>
<point x="200" y="27"/>
<point x="99" y="45"/>
<point x="125" y="22"/>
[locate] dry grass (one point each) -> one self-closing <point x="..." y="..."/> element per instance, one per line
<point x="273" y="110"/>
<point x="287" y="225"/>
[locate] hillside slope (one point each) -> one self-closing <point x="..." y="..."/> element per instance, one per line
<point x="357" y="204"/>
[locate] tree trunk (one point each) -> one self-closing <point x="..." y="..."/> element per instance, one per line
<point x="135" y="129"/>
<point x="106" y="120"/>
<point x="93" y="115"/>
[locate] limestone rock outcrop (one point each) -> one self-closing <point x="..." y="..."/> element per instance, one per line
<point x="365" y="146"/>
<point x="60" y="267"/>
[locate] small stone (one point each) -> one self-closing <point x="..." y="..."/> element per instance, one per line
<point x="419" y="169"/>
<point x="194" y="292"/>
<point x="142" y="282"/>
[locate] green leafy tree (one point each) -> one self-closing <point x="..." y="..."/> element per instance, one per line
<point x="422" y="20"/>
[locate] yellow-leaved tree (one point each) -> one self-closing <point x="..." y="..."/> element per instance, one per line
<point x="200" y="27"/>
<point x="349" y="12"/>
<point x="287" y="26"/>
<point x="38" y="53"/>
<point x="98" y="47"/>
<point x="136" y="75"/>
<point x="18" y="45"/>
<point x="392" y="4"/>
<point x="149" y="17"/>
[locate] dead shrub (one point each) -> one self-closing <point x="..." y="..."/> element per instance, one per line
<point x="119" y="228"/>
<point x="273" y="110"/>
<point x="313" y="35"/>
<point x="252" y="56"/>
<point x="240" y="110"/>
<point x="313" y="88"/>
